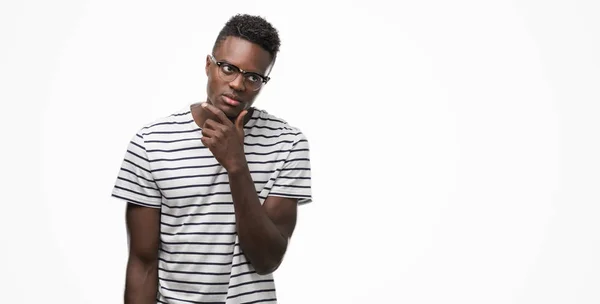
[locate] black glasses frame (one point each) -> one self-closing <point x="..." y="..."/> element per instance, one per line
<point x="264" y="78"/>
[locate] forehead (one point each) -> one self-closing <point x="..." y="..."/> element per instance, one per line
<point x="244" y="54"/>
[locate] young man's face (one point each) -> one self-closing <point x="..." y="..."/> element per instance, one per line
<point x="233" y="96"/>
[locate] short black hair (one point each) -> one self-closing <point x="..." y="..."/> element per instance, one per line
<point x="252" y="28"/>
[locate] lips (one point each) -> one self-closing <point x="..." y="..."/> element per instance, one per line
<point x="231" y="100"/>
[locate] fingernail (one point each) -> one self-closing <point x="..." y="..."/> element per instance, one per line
<point x="204" y="104"/>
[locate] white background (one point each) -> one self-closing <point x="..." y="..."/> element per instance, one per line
<point x="455" y="144"/>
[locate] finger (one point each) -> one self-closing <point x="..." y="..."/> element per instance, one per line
<point x="220" y="115"/>
<point x="206" y="141"/>
<point x="212" y="124"/>
<point x="239" y="122"/>
<point x="208" y="132"/>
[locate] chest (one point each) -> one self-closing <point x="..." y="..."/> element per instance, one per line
<point x="186" y="172"/>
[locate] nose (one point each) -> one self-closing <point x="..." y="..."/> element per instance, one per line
<point x="237" y="83"/>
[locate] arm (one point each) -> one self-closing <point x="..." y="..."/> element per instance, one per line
<point x="263" y="230"/>
<point x="141" y="283"/>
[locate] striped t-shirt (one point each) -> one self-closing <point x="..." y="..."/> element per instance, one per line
<point x="166" y="166"/>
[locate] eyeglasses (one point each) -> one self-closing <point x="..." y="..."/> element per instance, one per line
<point x="229" y="72"/>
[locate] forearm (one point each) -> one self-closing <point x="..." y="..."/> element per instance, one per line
<point x="260" y="239"/>
<point x="141" y="282"/>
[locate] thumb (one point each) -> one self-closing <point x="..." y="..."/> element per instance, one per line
<point x="239" y="122"/>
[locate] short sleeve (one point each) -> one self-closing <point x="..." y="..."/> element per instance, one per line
<point x="294" y="178"/>
<point x="135" y="183"/>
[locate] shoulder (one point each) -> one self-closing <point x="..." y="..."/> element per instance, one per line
<point x="276" y="126"/>
<point x="176" y="121"/>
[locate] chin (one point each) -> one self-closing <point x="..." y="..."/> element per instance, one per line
<point x="229" y="111"/>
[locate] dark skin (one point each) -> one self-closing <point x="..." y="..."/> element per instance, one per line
<point x="264" y="230"/>
<point x="143" y="227"/>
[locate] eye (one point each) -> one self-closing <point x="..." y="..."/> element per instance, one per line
<point x="227" y="69"/>
<point x="254" y="78"/>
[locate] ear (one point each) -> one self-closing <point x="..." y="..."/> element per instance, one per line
<point x="270" y="67"/>
<point x="207" y="64"/>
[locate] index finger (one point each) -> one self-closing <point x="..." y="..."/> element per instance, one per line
<point x="217" y="112"/>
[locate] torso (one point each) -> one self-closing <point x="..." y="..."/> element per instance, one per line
<point x="200" y="257"/>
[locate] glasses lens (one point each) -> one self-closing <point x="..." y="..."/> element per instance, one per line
<point x="228" y="72"/>
<point x="254" y="82"/>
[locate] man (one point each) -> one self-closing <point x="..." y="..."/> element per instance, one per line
<point x="212" y="190"/>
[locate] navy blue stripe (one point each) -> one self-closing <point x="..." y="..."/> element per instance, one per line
<point x="190" y="176"/>
<point x="177" y="150"/>
<point x="242" y="273"/>
<point x="138" y="145"/>
<point x="194" y="302"/>
<point x="187" y="167"/>
<point x="138" y="193"/>
<point x="169" y="123"/>
<point x="134" y="201"/>
<point x="194" y="263"/>
<point x="181" y="158"/>
<point x="278" y="160"/>
<point x="250" y="292"/>
<point x="138" y="176"/>
<point x="295" y="169"/>
<point x="198" y="224"/>
<point x="198" y="243"/>
<point x="260" y="301"/>
<point x="199" y="233"/>
<point x="195" y="292"/>
<point x="202" y="185"/>
<point x="270" y="128"/>
<point x="196" y="252"/>
<point x="256" y="184"/>
<point x="297" y="159"/>
<point x="198" y="214"/>
<point x="275" y="151"/>
<point x="249" y="282"/>
<point x="135" y="183"/>
<point x="291" y="186"/>
<point x="240" y="264"/>
<point x="272" y="119"/>
<point x="172" y="141"/>
<point x="197" y="205"/>
<point x="269" y="145"/>
<point x="181" y="114"/>
<point x="138" y="156"/>
<point x="194" y="272"/>
<point x="171" y="132"/>
<point x="211" y="156"/>
<point x="136" y="165"/>
<point x="204" y="147"/>
<point x="200" y="195"/>
<point x="271" y="136"/>
<point x="290" y="177"/>
<point x="266" y="161"/>
<point x="290" y="194"/>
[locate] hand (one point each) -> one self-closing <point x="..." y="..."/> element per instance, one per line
<point x="224" y="139"/>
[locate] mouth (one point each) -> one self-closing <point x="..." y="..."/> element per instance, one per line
<point x="232" y="100"/>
